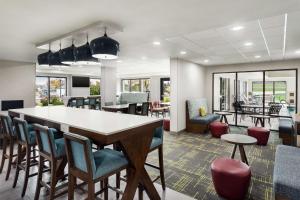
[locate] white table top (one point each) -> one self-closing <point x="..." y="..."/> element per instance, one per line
<point x="239" y="139"/>
<point x="102" y="122"/>
<point x="120" y="106"/>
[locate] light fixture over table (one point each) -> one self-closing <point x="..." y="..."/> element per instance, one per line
<point x="105" y="47"/>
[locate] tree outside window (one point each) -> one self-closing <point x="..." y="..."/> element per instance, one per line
<point x="95" y="86"/>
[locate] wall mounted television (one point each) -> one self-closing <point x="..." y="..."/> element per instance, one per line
<point x="80" y="81"/>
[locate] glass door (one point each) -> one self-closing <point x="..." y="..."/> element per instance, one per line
<point x="250" y="97"/>
<point x="224" y="95"/>
<point x="280" y="95"/>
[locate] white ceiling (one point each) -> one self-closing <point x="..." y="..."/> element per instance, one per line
<point x="189" y="25"/>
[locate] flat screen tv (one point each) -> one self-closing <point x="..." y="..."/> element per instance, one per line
<point x="78" y="81"/>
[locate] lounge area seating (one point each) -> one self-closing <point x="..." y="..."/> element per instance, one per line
<point x="134" y="97"/>
<point x="194" y="122"/>
<point x="286" y="131"/>
<point x="286" y="177"/>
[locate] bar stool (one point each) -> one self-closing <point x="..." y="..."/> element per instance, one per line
<point x="52" y="150"/>
<point x="91" y="167"/>
<point x="9" y="138"/>
<point x="79" y="102"/>
<point x="26" y="145"/>
<point x="92" y="101"/>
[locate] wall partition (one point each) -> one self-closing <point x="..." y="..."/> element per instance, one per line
<point x="265" y="94"/>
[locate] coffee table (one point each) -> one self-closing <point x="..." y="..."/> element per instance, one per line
<point x="239" y="140"/>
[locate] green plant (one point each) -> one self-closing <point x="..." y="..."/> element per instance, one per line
<point x="44" y="101"/>
<point x="56" y="101"/>
<point x="95" y="88"/>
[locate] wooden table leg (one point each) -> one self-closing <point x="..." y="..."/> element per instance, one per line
<point x="233" y="152"/>
<point x="136" y="151"/>
<point x="243" y="154"/>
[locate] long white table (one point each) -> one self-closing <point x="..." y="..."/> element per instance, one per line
<point x="133" y="134"/>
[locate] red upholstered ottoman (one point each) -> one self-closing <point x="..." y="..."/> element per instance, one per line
<point x="260" y="133"/>
<point x="166" y="124"/>
<point x="218" y="128"/>
<point x="231" y="178"/>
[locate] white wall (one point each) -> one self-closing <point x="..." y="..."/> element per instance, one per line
<point x="287" y="64"/>
<point x="188" y="81"/>
<point x="17" y="82"/>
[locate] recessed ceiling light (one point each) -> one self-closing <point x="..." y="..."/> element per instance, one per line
<point x="206" y="60"/>
<point x="182" y="52"/>
<point x="247" y="44"/>
<point x="257" y="56"/>
<point x="297" y="51"/>
<point x="156" y="43"/>
<point x="237" y="28"/>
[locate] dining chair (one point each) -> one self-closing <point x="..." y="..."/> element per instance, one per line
<point x="79" y="102"/>
<point x="132" y="108"/>
<point x="91" y="167"/>
<point x="145" y="109"/>
<point x="92" y="102"/>
<point x="71" y="102"/>
<point x="26" y="141"/>
<point x="52" y="149"/>
<point x="155" y="109"/>
<point x="8" y="140"/>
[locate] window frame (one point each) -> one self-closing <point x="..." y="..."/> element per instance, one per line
<point x="129" y="83"/>
<point x="49" y="77"/>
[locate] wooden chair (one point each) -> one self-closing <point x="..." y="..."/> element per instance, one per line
<point x="79" y="102"/>
<point x="52" y="149"/>
<point x="91" y="167"/>
<point x="132" y="108"/>
<point x="26" y="140"/>
<point x="8" y="138"/>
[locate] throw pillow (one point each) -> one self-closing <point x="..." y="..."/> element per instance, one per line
<point x="202" y="111"/>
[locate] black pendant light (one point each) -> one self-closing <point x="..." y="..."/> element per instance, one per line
<point x="83" y="55"/>
<point x="67" y="55"/>
<point x="104" y="47"/>
<point x="54" y="58"/>
<point x="43" y="59"/>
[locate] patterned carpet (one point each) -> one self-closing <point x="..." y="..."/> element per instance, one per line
<point x="188" y="157"/>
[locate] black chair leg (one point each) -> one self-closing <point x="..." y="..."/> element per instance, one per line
<point x="4" y="147"/>
<point x="10" y="157"/>
<point x="118" y="184"/>
<point x="19" y="160"/>
<point x="27" y="167"/>
<point x="39" y="179"/>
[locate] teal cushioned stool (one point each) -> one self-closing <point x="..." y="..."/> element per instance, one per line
<point x="26" y="140"/>
<point x="91" y="167"/>
<point x="52" y="150"/>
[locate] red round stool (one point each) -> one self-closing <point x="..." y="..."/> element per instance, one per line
<point x="218" y="128"/>
<point x="231" y="178"/>
<point x="166" y="124"/>
<point x="260" y="133"/>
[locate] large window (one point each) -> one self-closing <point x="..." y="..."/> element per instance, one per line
<point x="135" y="85"/>
<point x="50" y="90"/>
<point x="275" y="91"/>
<point x="94" y="86"/>
<point x="165" y="89"/>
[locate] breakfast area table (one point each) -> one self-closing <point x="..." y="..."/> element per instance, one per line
<point x="131" y="132"/>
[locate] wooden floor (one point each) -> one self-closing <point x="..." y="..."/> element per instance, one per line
<point x="9" y="193"/>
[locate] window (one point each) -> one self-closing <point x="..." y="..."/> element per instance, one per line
<point x="94" y="86"/>
<point x="276" y="91"/>
<point x="135" y="85"/>
<point x="165" y="89"/>
<point x="50" y="90"/>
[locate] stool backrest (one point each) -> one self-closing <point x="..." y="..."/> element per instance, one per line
<point x="7" y="125"/>
<point x="45" y="140"/>
<point x="132" y="108"/>
<point x="79" y="102"/>
<point x="145" y="108"/>
<point x="159" y="133"/>
<point x="79" y="153"/>
<point x="21" y="127"/>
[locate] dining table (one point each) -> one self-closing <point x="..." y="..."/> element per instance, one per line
<point x="119" y="108"/>
<point x="133" y="133"/>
